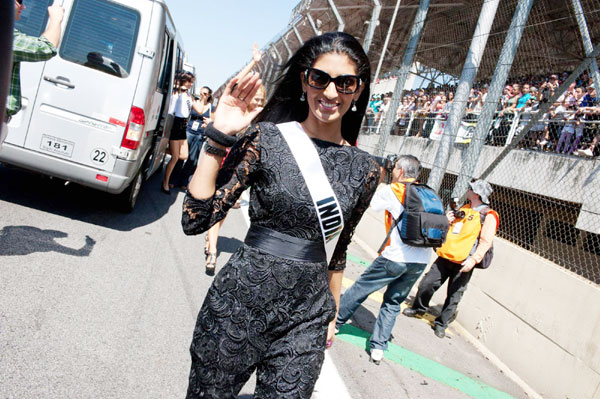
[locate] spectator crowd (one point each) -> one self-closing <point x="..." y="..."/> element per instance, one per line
<point x="571" y="126"/>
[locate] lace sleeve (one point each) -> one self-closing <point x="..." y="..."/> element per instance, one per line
<point x="233" y="178"/>
<point x="338" y="261"/>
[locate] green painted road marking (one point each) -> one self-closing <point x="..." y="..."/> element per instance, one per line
<point x="424" y="366"/>
<point x="357" y="260"/>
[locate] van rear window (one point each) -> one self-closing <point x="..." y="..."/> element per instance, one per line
<point x="34" y="18"/>
<point x="101" y="35"/>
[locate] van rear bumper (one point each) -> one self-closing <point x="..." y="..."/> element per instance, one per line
<point x="118" y="180"/>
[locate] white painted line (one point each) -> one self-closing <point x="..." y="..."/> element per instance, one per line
<point x="244" y="206"/>
<point x="365" y="247"/>
<point x="329" y="385"/>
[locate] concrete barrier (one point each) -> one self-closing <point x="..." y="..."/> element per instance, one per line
<point x="538" y="319"/>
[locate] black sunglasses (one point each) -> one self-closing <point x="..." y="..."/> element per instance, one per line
<point x="20" y="2"/>
<point x="346" y="84"/>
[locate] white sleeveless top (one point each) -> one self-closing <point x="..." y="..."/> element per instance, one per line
<point x="181" y="105"/>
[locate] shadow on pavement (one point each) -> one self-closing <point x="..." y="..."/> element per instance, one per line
<point x="81" y="203"/>
<point x="364" y="320"/>
<point x="24" y="240"/>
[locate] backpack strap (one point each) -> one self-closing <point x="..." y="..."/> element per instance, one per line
<point x="406" y="185"/>
<point x="387" y="237"/>
<point x="483" y="211"/>
<point x="396" y="221"/>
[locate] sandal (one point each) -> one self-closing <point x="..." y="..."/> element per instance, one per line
<point x="206" y="246"/>
<point x="211" y="263"/>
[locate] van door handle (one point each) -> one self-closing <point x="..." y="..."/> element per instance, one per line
<point x="60" y="80"/>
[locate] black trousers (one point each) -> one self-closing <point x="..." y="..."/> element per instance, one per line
<point x="442" y="270"/>
<point x="263" y="314"/>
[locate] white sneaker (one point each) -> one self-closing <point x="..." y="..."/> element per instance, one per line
<point x="376" y="355"/>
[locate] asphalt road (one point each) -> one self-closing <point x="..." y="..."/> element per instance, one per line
<point x="95" y="303"/>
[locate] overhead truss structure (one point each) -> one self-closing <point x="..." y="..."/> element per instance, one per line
<point x="554" y="40"/>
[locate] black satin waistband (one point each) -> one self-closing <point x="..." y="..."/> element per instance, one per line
<point x="285" y="246"/>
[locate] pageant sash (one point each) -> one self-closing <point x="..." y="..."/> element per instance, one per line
<point x="328" y="208"/>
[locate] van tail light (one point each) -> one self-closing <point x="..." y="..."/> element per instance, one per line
<point x="134" y="129"/>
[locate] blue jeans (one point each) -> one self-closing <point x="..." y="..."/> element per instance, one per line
<point x="195" y="141"/>
<point x="185" y="169"/>
<point x="399" y="278"/>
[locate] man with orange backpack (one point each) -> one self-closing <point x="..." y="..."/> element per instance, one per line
<point x="468" y="245"/>
<point x="414" y="208"/>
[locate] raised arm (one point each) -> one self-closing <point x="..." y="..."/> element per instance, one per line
<point x="209" y="199"/>
<point x="230" y="117"/>
<point x="55" y="16"/>
<point x="233" y="178"/>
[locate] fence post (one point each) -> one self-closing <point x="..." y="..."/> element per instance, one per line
<point x="410" y="122"/>
<point x="513" y="127"/>
<point x="407" y="60"/>
<point x="297" y="33"/>
<point x="277" y="53"/>
<point x="482" y="31"/>
<point x="312" y="23"/>
<point x="287" y="47"/>
<point x="587" y="42"/>
<point x="486" y="117"/>
<point x="372" y="25"/>
<point x="337" y="16"/>
<point x="386" y="42"/>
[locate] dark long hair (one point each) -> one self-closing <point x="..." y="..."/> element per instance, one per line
<point x="285" y="105"/>
<point x="210" y="98"/>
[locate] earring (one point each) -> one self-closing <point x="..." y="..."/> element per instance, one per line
<point x="303" y="96"/>
<point x="353" y="106"/>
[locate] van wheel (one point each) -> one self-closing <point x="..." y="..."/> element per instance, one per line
<point x="128" y="198"/>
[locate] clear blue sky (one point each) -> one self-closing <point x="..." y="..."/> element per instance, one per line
<point x="218" y="35"/>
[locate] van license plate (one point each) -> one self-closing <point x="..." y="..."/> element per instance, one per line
<point x="57" y="146"/>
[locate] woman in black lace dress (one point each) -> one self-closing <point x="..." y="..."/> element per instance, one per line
<point x="272" y="307"/>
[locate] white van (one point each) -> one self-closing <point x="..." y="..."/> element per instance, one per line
<point x="97" y="113"/>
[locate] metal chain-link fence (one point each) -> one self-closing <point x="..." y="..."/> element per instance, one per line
<point x="546" y="188"/>
<point x="534" y="138"/>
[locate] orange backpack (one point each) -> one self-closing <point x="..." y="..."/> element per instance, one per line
<point x="463" y="235"/>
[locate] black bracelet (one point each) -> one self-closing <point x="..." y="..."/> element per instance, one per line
<point x="219" y="137"/>
<point x="211" y="149"/>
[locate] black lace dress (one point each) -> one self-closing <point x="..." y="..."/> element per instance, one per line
<point x="264" y="312"/>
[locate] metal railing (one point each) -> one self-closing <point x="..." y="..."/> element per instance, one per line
<point x="574" y="130"/>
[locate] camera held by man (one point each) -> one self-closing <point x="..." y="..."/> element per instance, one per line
<point x="388" y="164"/>
<point x="454" y="208"/>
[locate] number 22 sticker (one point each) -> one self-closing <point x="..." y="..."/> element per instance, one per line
<point x="99" y="156"/>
